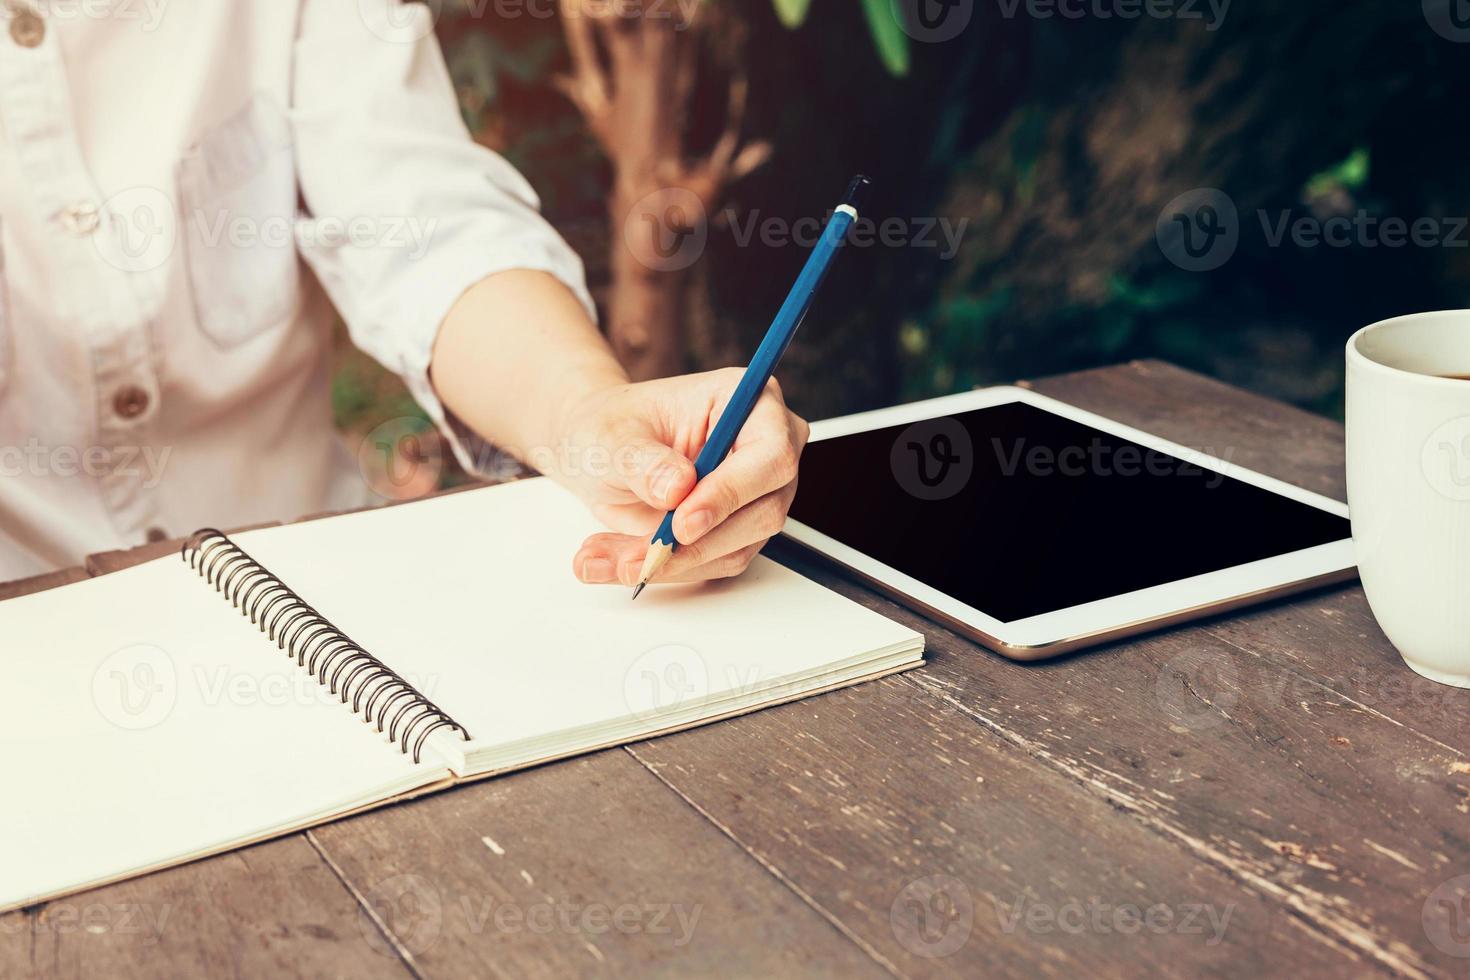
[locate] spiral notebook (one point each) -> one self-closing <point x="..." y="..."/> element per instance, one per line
<point x="265" y="682"/>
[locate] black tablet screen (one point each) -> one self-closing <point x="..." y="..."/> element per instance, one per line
<point x="1017" y="511"/>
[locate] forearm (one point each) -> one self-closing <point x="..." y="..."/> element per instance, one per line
<point x="513" y="355"/>
<point x="518" y="361"/>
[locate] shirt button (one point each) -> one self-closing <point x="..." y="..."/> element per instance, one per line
<point x="81" y="218"/>
<point x="27" y="28"/>
<point x="156" y="534"/>
<point x="130" y="402"/>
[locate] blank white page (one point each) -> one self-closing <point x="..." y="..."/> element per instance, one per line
<point x="472" y="595"/>
<point x="145" y="722"/>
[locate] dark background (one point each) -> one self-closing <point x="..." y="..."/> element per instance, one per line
<point x="1060" y="142"/>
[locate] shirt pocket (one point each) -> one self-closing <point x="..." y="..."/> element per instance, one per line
<point x="238" y="194"/>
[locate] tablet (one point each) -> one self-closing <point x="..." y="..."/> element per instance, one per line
<point x="1036" y="528"/>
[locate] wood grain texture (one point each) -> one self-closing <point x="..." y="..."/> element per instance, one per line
<point x="40" y="583"/>
<point x="276" y="908"/>
<point x="610" y="873"/>
<point x="1270" y="792"/>
<point x="1378" y="748"/>
<point x="104" y="562"/>
<point x="1331" y="643"/>
<point x="951" y="853"/>
<point x="1231" y="741"/>
<point x="1343" y="816"/>
<point x="590" y="866"/>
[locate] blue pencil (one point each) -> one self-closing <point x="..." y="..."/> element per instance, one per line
<point x="762" y="365"/>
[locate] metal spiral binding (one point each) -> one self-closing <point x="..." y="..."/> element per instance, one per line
<point x="329" y="655"/>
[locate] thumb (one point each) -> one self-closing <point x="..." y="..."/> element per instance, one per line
<point x="659" y="476"/>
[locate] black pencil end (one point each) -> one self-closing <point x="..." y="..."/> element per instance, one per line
<point x="857" y="192"/>
<point x="638" y="589"/>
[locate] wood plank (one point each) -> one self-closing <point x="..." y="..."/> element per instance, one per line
<point x="40" y="583"/>
<point x="1363" y="666"/>
<point x="1104" y="781"/>
<point x="1326" y="656"/>
<point x="1346" y="819"/>
<point x="586" y="866"/>
<point x="951" y="853"/>
<point x="626" y="881"/>
<point x="104" y="562"/>
<point x="275" y="908"/>
<point x="271" y="910"/>
<point x="1332" y="642"/>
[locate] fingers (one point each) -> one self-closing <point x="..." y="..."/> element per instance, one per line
<point x="660" y="476"/>
<point x="763" y="461"/>
<point x="726" y="566"/>
<point x="617" y="558"/>
<point x="754" y="524"/>
<point x="721" y="523"/>
<point x="637" y="519"/>
<point x="610" y="559"/>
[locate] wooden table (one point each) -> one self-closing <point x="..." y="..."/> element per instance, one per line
<point x="1258" y="794"/>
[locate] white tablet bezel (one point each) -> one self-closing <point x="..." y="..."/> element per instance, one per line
<point x="1057" y="632"/>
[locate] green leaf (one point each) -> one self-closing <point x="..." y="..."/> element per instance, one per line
<point x="890" y="40"/>
<point x="792" y="13"/>
<point x="1350" y="174"/>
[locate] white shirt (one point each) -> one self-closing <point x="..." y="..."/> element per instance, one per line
<point x="187" y="188"/>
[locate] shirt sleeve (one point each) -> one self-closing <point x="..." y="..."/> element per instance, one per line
<point x="404" y="210"/>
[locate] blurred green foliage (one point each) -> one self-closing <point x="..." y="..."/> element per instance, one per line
<point x="1059" y="142"/>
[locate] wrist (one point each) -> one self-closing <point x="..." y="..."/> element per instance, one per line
<point x="517" y="359"/>
<point x="583" y="409"/>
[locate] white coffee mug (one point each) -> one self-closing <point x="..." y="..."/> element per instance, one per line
<point x="1408" y="475"/>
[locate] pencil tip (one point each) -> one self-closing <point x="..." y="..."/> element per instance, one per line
<point x="639" y="589"/>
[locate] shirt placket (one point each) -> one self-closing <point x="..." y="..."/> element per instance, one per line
<point x="101" y="302"/>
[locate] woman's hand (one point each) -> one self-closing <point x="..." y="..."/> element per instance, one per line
<point x="518" y="360"/>
<point x="628" y="449"/>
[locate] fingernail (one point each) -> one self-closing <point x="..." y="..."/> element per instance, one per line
<point x="662" y="480"/>
<point x="628" y="573"/>
<point x="696" y="524"/>
<point x="597" y="570"/>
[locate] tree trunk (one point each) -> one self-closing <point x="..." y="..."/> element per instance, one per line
<point x="634" y="79"/>
<point x="646" y="309"/>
